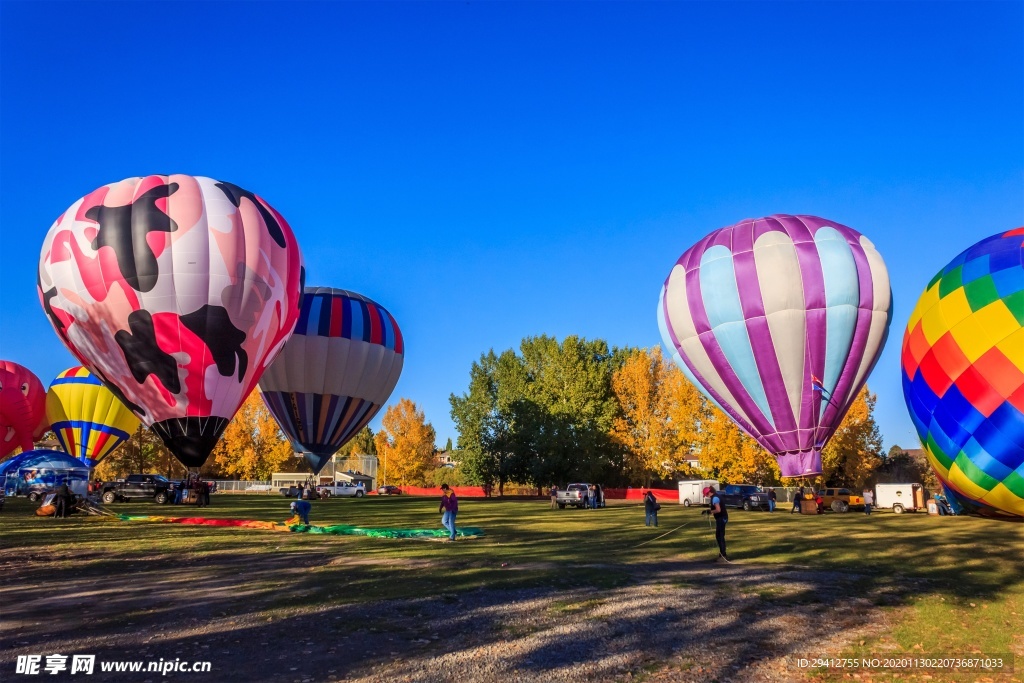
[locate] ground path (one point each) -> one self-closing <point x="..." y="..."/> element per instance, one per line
<point x="669" y="620"/>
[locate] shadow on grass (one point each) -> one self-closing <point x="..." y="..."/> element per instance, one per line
<point x="576" y="591"/>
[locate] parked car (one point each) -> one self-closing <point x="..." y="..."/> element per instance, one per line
<point x="388" y="490"/>
<point x="341" y="489"/>
<point x="138" y="486"/>
<point x="573" y="495"/>
<point x="746" y="496"/>
<point x="841" y="500"/>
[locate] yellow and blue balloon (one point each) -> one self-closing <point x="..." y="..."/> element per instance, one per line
<point x="88" y="419"/>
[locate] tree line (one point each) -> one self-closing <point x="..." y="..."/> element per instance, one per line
<point x="577" y="410"/>
<point x="549" y="412"/>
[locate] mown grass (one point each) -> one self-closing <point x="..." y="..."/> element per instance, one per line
<point x="949" y="585"/>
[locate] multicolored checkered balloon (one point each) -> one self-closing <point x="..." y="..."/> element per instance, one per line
<point x="963" y="373"/>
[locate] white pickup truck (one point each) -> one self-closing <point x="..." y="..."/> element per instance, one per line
<point x="342" y="489"/>
<point x="572" y="495"/>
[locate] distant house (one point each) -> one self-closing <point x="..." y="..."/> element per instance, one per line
<point x="445" y="458"/>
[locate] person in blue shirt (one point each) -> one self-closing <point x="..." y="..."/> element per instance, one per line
<point x="301" y="508"/>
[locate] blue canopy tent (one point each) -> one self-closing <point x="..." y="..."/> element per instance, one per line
<point x="35" y="473"/>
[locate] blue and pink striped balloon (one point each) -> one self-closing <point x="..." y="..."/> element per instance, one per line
<point x="335" y="373"/>
<point x="779" y="321"/>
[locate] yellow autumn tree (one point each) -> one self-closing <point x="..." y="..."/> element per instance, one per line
<point x="728" y="454"/>
<point x="659" y="418"/>
<point x="855" y="450"/>
<point x="253" y="446"/>
<point x="405" y="445"/>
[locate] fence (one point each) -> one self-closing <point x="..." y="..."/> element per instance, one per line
<point x="478" y="492"/>
<point x="243" y="486"/>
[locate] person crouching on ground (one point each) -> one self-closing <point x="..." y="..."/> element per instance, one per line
<point x="721" y="519"/>
<point x="301" y="510"/>
<point x="449" y="508"/>
<point x="651" y="508"/>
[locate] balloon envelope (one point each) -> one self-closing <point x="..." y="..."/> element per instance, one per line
<point x="176" y="291"/>
<point x="335" y="373"/>
<point x="963" y="373"/>
<point x="87" y="418"/>
<point x="22" y="408"/>
<point x="779" y="321"/>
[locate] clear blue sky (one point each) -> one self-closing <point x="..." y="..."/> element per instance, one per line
<point x="489" y="171"/>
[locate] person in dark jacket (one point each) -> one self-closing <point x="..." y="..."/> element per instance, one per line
<point x="449" y="508"/>
<point x="796" y="500"/>
<point x="651" y="506"/>
<point x="64" y="501"/>
<point x="721" y="515"/>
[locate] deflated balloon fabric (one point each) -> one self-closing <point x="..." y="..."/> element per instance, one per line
<point x="295" y="526"/>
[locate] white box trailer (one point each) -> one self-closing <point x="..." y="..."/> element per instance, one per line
<point x="692" y="492"/>
<point x="900" y="498"/>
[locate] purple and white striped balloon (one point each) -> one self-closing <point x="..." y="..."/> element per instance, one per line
<point x="779" y="321"/>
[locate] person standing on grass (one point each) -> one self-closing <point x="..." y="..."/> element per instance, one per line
<point x="651" y="507"/>
<point x="869" y="500"/>
<point x="554" y="496"/>
<point x="449" y="508"/>
<point x="721" y="515"/>
<point x="796" y="500"/>
<point x="771" y="499"/>
<point x="64" y="501"/>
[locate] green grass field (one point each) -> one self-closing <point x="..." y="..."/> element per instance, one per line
<point x="947" y="585"/>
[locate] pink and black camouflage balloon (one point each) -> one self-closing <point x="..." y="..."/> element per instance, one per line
<point x="177" y="292"/>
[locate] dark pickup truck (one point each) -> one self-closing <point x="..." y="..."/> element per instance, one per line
<point x="137" y="486"/>
<point x="746" y="496"/>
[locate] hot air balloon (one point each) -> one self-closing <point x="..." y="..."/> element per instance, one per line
<point x="22" y="408"/>
<point x="779" y="321"/>
<point x="87" y="418"/>
<point x="963" y="373"/>
<point x="176" y="292"/>
<point x="336" y="372"/>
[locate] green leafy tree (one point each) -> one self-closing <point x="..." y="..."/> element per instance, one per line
<point x="361" y="443"/>
<point x="540" y="416"/>
<point x="484" y="418"/>
<point x="142" y="452"/>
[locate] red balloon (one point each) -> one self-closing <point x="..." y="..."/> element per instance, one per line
<point x="22" y="408"/>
